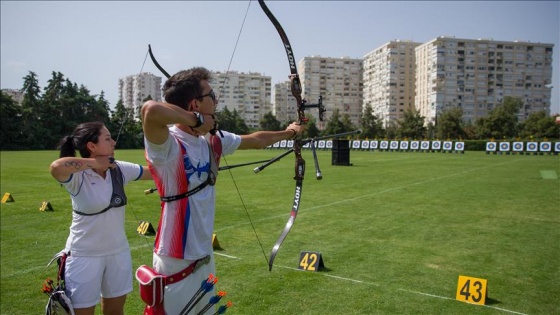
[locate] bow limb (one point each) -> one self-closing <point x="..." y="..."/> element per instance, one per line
<point x="157" y="63"/>
<point x="296" y="90"/>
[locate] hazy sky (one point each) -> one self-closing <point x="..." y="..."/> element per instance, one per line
<point x="95" y="43"/>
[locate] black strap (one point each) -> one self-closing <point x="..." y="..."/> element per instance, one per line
<point x="186" y="194"/>
<point x="118" y="199"/>
<point x="211" y="180"/>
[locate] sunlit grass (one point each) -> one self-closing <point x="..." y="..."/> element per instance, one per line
<point x="395" y="231"/>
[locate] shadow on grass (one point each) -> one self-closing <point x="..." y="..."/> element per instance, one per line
<point x="491" y="301"/>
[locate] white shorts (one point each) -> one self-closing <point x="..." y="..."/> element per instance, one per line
<point x="90" y="278"/>
<point x="177" y="295"/>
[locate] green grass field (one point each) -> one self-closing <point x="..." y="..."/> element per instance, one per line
<point x="395" y="231"/>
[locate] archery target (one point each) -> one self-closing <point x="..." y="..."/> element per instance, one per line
<point x="459" y="146"/>
<point x="436" y="145"/>
<point x="404" y="145"/>
<point x="545" y="147"/>
<point x="414" y="145"/>
<point x="365" y="144"/>
<point x="532" y="146"/>
<point x="557" y="147"/>
<point x="504" y="146"/>
<point x="425" y="145"/>
<point x="490" y="146"/>
<point x="517" y="146"/>
<point x="373" y="144"/>
<point x="394" y="145"/>
<point x="384" y="145"/>
<point x="448" y="145"/>
<point x="328" y="143"/>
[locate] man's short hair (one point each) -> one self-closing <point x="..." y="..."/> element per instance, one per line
<point x="184" y="86"/>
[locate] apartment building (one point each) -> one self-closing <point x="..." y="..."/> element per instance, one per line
<point x="389" y="74"/>
<point x="15" y="94"/>
<point x="248" y="93"/>
<point x="133" y="89"/>
<point x="476" y="75"/>
<point x="338" y="80"/>
<point x="284" y="104"/>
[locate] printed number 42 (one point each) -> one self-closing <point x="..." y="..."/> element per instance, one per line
<point x="308" y="261"/>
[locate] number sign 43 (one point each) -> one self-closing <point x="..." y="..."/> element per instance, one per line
<point x="471" y="290"/>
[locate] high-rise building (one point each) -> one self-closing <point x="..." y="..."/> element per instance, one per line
<point x="134" y="89"/>
<point x="338" y="80"/>
<point x="284" y="105"/>
<point x="389" y="73"/>
<point x="476" y="74"/>
<point x="15" y="94"/>
<point x="248" y="93"/>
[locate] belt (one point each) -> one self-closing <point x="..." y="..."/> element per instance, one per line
<point x="185" y="272"/>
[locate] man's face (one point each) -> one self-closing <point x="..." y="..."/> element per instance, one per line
<point x="208" y="100"/>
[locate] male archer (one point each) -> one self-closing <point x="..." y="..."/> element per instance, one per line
<point x="183" y="161"/>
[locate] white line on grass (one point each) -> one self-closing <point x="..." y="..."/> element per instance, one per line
<point x="364" y="196"/>
<point x="402" y="187"/>
<point x="371" y="195"/>
<point x="408" y="291"/>
<point x="224" y="255"/>
<point x="322" y="206"/>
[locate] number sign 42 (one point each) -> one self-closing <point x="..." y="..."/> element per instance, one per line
<point x="471" y="290"/>
<point x="311" y="261"/>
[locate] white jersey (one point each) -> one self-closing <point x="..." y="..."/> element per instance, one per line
<point x="99" y="234"/>
<point x="186" y="225"/>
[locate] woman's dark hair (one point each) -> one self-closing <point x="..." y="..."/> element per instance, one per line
<point x="184" y="86"/>
<point x="78" y="140"/>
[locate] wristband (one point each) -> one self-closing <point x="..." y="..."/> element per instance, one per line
<point x="295" y="134"/>
<point x="199" y="119"/>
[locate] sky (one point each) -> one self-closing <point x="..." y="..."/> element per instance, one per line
<point x="95" y="43"/>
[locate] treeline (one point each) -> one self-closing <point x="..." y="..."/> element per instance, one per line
<point x="45" y="116"/>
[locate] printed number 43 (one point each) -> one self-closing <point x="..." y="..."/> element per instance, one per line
<point x="466" y="291"/>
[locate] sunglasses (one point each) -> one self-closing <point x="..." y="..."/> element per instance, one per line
<point x="212" y="95"/>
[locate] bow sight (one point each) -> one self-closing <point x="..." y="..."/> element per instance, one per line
<point x="319" y="106"/>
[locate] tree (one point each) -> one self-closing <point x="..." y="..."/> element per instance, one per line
<point x="470" y="130"/>
<point x="539" y="125"/>
<point x="311" y="131"/>
<point x="450" y="124"/>
<point x="430" y="131"/>
<point x="125" y="129"/>
<point x="11" y="121"/>
<point x="391" y="130"/>
<point x="100" y="108"/>
<point x="372" y="125"/>
<point x="347" y="123"/>
<point x="334" y="124"/>
<point x="231" y="121"/>
<point x="31" y="104"/>
<point x="501" y="122"/>
<point x="269" y="122"/>
<point x="412" y="125"/>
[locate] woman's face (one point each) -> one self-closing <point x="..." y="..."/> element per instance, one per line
<point x="105" y="144"/>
